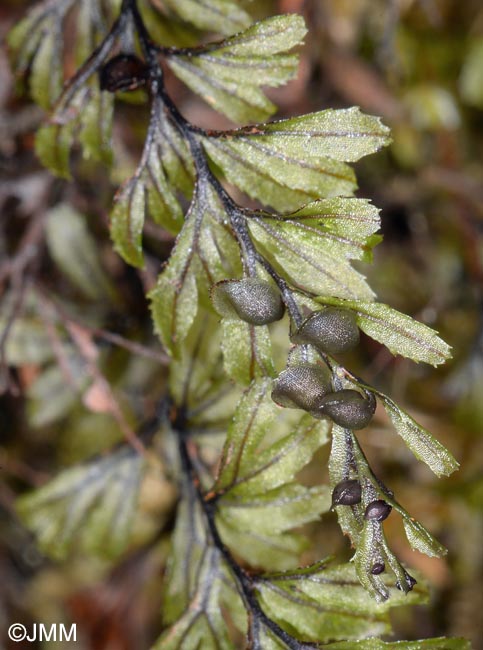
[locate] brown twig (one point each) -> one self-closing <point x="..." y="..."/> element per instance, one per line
<point x="89" y="352"/>
<point x="57" y="347"/>
<point x="21" y="470"/>
<point x="97" y="332"/>
<point x="14" y="271"/>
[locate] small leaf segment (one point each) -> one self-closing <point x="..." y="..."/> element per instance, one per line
<point x="252" y="268"/>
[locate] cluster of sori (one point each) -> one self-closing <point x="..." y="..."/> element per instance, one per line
<point x="305" y="385"/>
<point x="349" y="493"/>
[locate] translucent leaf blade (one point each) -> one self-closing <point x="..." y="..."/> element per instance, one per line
<point x="267" y="37"/>
<point x="344" y="226"/>
<point x="53" y="143"/>
<point x="271" y="551"/>
<point x="423" y="445"/>
<point x="239" y="103"/>
<point x="165" y="167"/>
<point x="46" y="75"/>
<point x="282" y="182"/>
<point x="279" y="463"/>
<point x="246" y="351"/>
<point x="401" y="334"/>
<point x="471" y="77"/>
<point x="221" y="16"/>
<point x="127" y="220"/>
<point x="277" y="510"/>
<point x="421" y="540"/>
<point x="254" y="416"/>
<point x="174" y="300"/>
<point x="27" y="343"/>
<point x="228" y="75"/>
<point x="50" y="396"/>
<point x="345" y="135"/>
<point x="75" y="252"/>
<point x="188" y="541"/>
<point x="423" y="644"/>
<point x="324" y="603"/>
<point x="195" y="264"/>
<point x="299" y="259"/>
<point x="89" y="506"/>
<point x="201" y="624"/>
<point x="96" y="126"/>
<point x="197" y="369"/>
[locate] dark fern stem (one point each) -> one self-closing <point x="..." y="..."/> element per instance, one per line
<point x="246" y="583"/>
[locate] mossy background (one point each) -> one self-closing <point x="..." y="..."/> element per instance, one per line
<point x="419" y="65"/>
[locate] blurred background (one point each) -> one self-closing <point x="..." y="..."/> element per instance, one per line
<point x="419" y="65"/>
